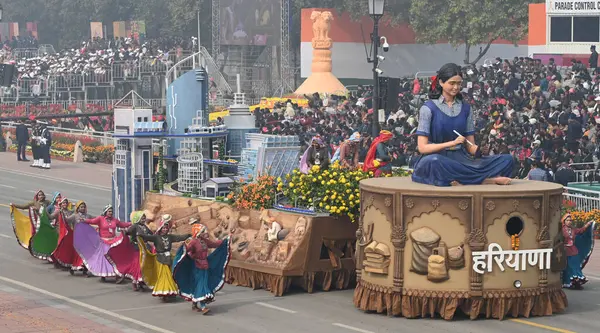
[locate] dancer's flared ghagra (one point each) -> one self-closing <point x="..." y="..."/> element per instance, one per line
<point x="198" y="274"/>
<point x="22" y="226"/>
<point x="127" y="257"/>
<point x="93" y="245"/>
<point x="92" y="249"/>
<point x="45" y="240"/>
<point x="65" y="254"/>
<point x="579" y="245"/>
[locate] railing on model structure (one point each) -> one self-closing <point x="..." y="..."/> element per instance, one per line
<point x="194" y="61"/>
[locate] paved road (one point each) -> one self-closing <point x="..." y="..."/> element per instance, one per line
<point x="29" y="288"/>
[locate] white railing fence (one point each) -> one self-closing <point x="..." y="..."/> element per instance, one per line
<point x="584" y="200"/>
<point x="104" y="137"/>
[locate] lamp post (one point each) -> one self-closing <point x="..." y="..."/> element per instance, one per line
<point x="376" y="12"/>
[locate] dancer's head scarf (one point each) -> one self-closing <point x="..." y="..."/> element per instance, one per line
<point x="304" y="168"/>
<point x="79" y="203"/>
<point x="106" y="209"/>
<point x="384" y="136"/>
<point x="165" y="223"/>
<point x="198" y="230"/>
<point x="136" y="216"/>
<point x="35" y="197"/>
<point x="563" y="220"/>
<point x="56" y="195"/>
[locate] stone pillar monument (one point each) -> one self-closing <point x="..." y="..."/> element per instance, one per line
<point x="321" y="80"/>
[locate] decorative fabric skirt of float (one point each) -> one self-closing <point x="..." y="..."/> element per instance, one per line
<point x="44" y="241"/>
<point x="573" y="275"/>
<point x="156" y="275"/>
<point x="201" y="285"/>
<point x="92" y="249"/>
<point x="22" y="226"/>
<point x="125" y="259"/>
<point x="65" y="254"/>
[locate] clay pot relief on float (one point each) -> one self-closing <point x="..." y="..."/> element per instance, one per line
<point x="431" y="256"/>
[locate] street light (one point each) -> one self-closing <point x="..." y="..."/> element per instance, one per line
<point x="376" y="12"/>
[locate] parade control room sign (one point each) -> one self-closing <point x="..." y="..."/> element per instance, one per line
<point x="573" y="7"/>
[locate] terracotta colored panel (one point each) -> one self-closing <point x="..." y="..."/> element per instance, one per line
<point x="537" y="24"/>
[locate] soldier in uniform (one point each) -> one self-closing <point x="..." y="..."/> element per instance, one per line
<point x="35" y="146"/>
<point x="45" y="144"/>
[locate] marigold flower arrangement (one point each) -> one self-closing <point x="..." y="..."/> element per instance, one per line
<point x="256" y="193"/>
<point x="515" y="242"/>
<point x="334" y="190"/>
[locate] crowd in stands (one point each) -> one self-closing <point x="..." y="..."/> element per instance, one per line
<point x="93" y="56"/>
<point x="26" y="42"/>
<point x="545" y="116"/>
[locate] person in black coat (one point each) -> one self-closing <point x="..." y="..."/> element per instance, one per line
<point x="22" y="138"/>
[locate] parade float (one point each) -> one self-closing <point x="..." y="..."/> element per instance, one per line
<point x="295" y="231"/>
<point x="485" y="250"/>
<point x="271" y="249"/>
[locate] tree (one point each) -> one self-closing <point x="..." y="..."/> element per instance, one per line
<point x="469" y="23"/>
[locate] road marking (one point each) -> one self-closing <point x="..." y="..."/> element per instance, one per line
<point x="544" y="327"/>
<point x="7" y="186"/>
<point x="5" y="205"/>
<point x="59" y="180"/>
<point x="85" y="305"/>
<point x="274" y="307"/>
<point x="592" y="277"/>
<point x="5" y="236"/>
<point x="352" y="328"/>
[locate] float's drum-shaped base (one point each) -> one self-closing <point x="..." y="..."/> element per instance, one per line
<point x="486" y="250"/>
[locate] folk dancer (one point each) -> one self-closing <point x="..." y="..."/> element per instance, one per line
<point x="199" y="274"/>
<point x="93" y="245"/>
<point x="65" y="252"/>
<point x="45" y="240"/>
<point x="156" y="268"/>
<point x="62" y="254"/>
<point x="347" y="153"/>
<point x="579" y="244"/>
<point x="378" y="156"/>
<point x="125" y="258"/>
<point x="25" y="226"/>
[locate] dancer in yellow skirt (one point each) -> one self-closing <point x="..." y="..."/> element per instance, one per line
<point x="156" y="268"/>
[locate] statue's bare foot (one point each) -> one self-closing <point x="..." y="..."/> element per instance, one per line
<point x="498" y="181"/>
<point x="455" y="183"/>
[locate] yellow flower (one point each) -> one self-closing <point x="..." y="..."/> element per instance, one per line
<point x="322" y="182"/>
<point x="327" y="207"/>
<point x="291" y="185"/>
